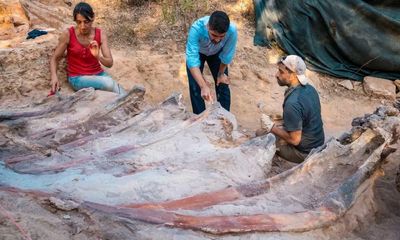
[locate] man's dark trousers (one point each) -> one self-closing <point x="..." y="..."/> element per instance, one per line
<point x="222" y="91"/>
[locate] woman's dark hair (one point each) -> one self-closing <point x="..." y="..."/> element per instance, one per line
<point x="85" y="10"/>
<point x="219" y="21"/>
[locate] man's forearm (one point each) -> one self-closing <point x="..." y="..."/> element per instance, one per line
<point x="195" y="71"/>
<point x="281" y="133"/>
<point x="222" y="68"/>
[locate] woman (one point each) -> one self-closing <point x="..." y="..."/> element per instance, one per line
<point x="83" y="44"/>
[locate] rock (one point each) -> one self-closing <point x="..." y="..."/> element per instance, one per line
<point x="358" y="86"/>
<point x="261" y="132"/>
<point x="66" y="205"/>
<point x="397" y="84"/>
<point x="63" y="134"/>
<point x="379" y="87"/>
<point x="347" y="84"/>
<point x="261" y="105"/>
<point x="396" y="104"/>
<point x="383" y="111"/>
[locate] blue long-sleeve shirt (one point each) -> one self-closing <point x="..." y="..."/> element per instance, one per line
<point x="199" y="42"/>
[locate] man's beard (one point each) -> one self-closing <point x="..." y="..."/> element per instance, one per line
<point x="280" y="82"/>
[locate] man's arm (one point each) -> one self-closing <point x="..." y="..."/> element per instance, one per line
<point x="205" y="88"/>
<point x="193" y="61"/>
<point x="292" y="138"/>
<point x="293" y="123"/>
<point x="222" y="77"/>
<point x="222" y="68"/>
<point x="227" y="55"/>
<point x="229" y="49"/>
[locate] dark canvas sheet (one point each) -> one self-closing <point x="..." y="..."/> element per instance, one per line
<point x="344" y="38"/>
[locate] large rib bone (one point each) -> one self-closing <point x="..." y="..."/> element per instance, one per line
<point x="159" y="147"/>
<point x="319" y="191"/>
<point x="60" y="106"/>
<point x="331" y="206"/>
<point x="99" y="123"/>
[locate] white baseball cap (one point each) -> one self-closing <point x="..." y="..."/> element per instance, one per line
<point x="296" y="64"/>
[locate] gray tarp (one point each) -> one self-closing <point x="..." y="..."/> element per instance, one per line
<point x="343" y="38"/>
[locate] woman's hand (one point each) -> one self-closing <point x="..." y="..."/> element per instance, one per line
<point x="55" y="84"/>
<point x="94" y="49"/>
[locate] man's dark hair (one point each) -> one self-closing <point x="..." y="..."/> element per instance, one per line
<point x="219" y="21"/>
<point x="85" y="10"/>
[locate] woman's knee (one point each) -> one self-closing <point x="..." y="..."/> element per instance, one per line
<point x="102" y="82"/>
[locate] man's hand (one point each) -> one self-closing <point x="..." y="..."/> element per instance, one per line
<point x="266" y="123"/>
<point x="55" y="84"/>
<point x="223" y="78"/>
<point x="94" y="49"/>
<point x="206" y="93"/>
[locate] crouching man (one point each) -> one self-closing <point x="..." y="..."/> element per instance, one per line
<point x="302" y="128"/>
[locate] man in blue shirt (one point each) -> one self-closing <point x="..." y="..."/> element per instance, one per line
<point x="302" y="124"/>
<point x="211" y="39"/>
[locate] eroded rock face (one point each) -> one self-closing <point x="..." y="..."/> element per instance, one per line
<point x="25" y="69"/>
<point x="14" y="22"/>
<point x="24" y="64"/>
<point x="55" y="14"/>
<point x="17" y="17"/>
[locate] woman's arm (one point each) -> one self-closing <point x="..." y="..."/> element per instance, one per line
<point x="105" y="58"/>
<point x="63" y="42"/>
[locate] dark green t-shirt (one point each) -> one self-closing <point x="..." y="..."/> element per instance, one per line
<point x="302" y="111"/>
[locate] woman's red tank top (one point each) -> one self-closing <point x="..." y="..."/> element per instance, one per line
<point x="80" y="60"/>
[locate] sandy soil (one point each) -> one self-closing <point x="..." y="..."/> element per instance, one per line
<point x="150" y="52"/>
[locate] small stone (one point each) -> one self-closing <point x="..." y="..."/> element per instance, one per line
<point x="347" y="84"/>
<point x="261" y="106"/>
<point x="68" y="2"/>
<point x="210" y="122"/>
<point x="66" y="205"/>
<point x="64" y="134"/>
<point x="67" y="217"/>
